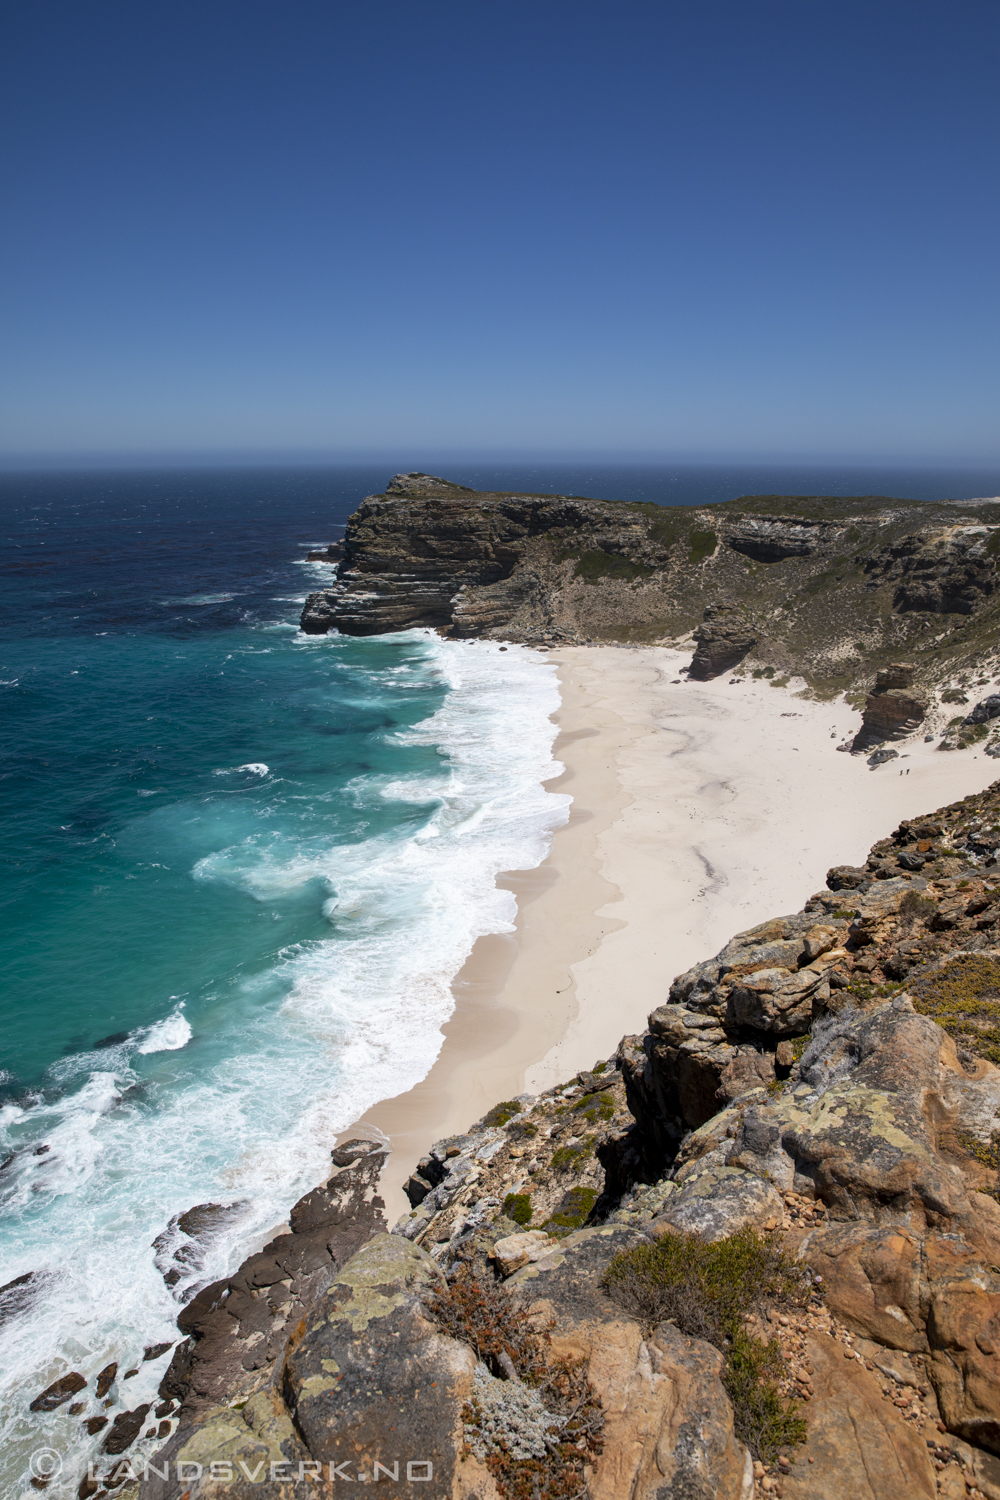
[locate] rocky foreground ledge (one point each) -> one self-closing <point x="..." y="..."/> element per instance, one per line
<point x="816" y="1107"/>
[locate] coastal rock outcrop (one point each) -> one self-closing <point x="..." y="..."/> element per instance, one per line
<point x="947" y="571"/>
<point x="723" y="640"/>
<point x="407" y="555"/>
<point x="892" y="710"/>
<point x="238" y="1326"/>
<point x="819" y="586"/>
<point x="770" y="539"/>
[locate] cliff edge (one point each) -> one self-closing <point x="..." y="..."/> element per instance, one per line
<point x="826" y="587"/>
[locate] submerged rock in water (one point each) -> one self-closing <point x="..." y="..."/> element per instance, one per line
<point x="17" y="1296"/>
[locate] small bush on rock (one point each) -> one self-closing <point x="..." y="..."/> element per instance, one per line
<point x="594" y="1107"/>
<point x="709" y="1291"/>
<point x="964" y="999"/>
<point x="571" y="1156"/>
<point x="501" y="1113"/>
<point x="517" y="1206"/>
<point x="573" y="1211"/>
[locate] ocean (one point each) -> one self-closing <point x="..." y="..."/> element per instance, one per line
<point x="241" y="868"/>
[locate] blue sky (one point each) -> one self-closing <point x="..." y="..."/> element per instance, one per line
<point x="707" y="230"/>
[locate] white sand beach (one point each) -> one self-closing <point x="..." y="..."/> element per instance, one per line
<point x="699" y="809"/>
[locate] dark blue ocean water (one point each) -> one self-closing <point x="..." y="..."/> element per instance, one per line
<point x="240" y="866"/>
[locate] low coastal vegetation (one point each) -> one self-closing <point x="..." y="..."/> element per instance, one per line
<point x="963" y="997"/>
<point x="534" y="1418"/>
<point x="722" y="1292"/>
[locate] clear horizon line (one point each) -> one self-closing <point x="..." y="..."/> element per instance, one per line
<point x="403" y="458"/>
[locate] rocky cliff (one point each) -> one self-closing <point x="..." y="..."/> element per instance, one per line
<point x="826" y="587"/>
<point x="757" y="1252"/>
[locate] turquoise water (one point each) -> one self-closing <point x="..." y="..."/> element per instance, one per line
<point x="241" y="868"/>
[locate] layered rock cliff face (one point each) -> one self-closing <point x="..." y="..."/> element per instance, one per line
<point x="827" y="1084"/>
<point x="893" y="710"/>
<point x="826" y="587"/>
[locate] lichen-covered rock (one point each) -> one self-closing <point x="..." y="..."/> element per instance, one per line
<point x="374" y="1321"/>
<point x="714" y="1202"/>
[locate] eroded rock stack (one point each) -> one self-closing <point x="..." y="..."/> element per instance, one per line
<point x="893" y="710"/>
<point x="723" y="640"/>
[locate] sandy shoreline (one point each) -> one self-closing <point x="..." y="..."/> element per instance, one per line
<point x="698" y="810"/>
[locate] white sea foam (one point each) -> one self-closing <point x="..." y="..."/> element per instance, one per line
<point x="148" y="1127"/>
<point x="255" y="767"/>
<point x="168" y="1035"/>
<point x="202" y="599"/>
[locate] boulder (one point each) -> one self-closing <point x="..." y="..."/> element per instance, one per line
<point x="59" y="1391"/>
<point x="517" y="1250"/>
<point x="714" y="1202"/>
<point x="125" y="1429"/>
<point x="984" y="711"/>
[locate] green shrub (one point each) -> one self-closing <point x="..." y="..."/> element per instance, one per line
<point x="571" y="1156"/>
<point x="915" y="906"/>
<point x="517" y="1206"/>
<point x="986" y="1155"/>
<point x="703" y="544"/>
<point x="708" y="1291"/>
<point x="596" y="1107"/>
<point x="594" y="567"/>
<point x="573" y="1212"/>
<point x="964" y="999"/>
<point x="501" y="1113"/>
